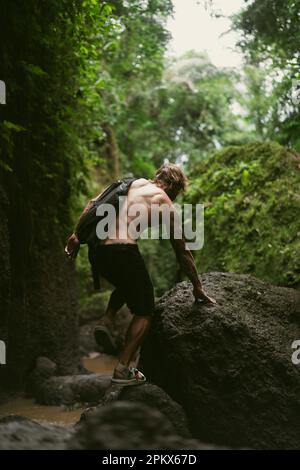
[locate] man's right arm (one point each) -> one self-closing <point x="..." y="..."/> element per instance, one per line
<point x="183" y="254"/>
<point x="185" y="259"/>
<point x="187" y="264"/>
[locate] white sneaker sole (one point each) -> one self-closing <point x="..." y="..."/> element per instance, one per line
<point x="125" y="382"/>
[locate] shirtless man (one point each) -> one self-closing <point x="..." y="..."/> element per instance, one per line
<point x="121" y="263"/>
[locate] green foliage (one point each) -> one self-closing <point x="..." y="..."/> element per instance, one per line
<point x="132" y="62"/>
<point x="259" y="101"/>
<point x="252" y="200"/>
<point x="46" y="148"/>
<point x="187" y="113"/>
<point x="271" y="38"/>
<point x="272" y="28"/>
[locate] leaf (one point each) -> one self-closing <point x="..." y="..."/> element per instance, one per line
<point x="34" y="69"/>
<point x="245" y="177"/>
<point x="14" y="127"/>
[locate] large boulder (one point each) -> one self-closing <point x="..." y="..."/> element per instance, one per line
<point x="129" y="425"/>
<point x="155" y="397"/>
<point x="151" y="396"/>
<point x="229" y="365"/>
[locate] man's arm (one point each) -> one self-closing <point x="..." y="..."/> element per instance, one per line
<point x="82" y="215"/>
<point x="73" y="244"/>
<point x="183" y="254"/>
<point x="187" y="264"/>
<point x="86" y="209"/>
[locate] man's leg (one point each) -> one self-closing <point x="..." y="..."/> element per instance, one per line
<point x="136" y="334"/>
<point x="134" y="280"/>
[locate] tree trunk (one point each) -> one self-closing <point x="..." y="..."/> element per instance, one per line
<point x="112" y="149"/>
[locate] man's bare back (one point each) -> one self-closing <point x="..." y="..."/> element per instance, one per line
<point x="143" y="193"/>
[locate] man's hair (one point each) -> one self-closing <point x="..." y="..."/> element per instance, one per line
<point x="172" y="176"/>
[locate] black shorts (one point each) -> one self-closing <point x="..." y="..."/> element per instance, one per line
<point x="123" y="266"/>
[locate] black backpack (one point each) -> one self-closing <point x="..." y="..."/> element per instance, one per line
<point x="86" y="228"/>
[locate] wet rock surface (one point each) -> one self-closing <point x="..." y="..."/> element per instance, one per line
<point x="151" y="396"/>
<point x="44" y="369"/>
<point x="51" y="389"/>
<point x="229" y="365"/>
<point x="18" y="433"/>
<point x="156" y="398"/>
<point x="67" y="390"/>
<point x="129" y="425"/>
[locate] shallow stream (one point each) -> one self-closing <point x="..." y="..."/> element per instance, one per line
<point x="58" y="415"/>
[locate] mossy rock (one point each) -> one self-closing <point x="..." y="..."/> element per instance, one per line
<point x="252" y="209"/>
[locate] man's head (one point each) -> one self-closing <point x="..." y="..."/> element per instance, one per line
<point x="171" y="179"/>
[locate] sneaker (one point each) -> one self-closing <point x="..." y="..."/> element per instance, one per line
<point x="127" y="376"/>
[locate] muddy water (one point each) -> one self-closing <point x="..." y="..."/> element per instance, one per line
<point x="100" y="363"/>
<point x="58" y="415"/>
<point x="43" y="414"/>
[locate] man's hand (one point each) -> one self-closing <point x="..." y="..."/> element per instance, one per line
<point x="200" y="294"/>
<point x="72" y="247"/>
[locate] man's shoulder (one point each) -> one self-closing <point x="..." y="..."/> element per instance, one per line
<point x="140" y="182"/>
<point x="146" y="188"/>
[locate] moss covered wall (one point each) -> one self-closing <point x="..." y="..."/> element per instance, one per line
<point x="252" y="215"/>
<point x="38" y="167"/>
